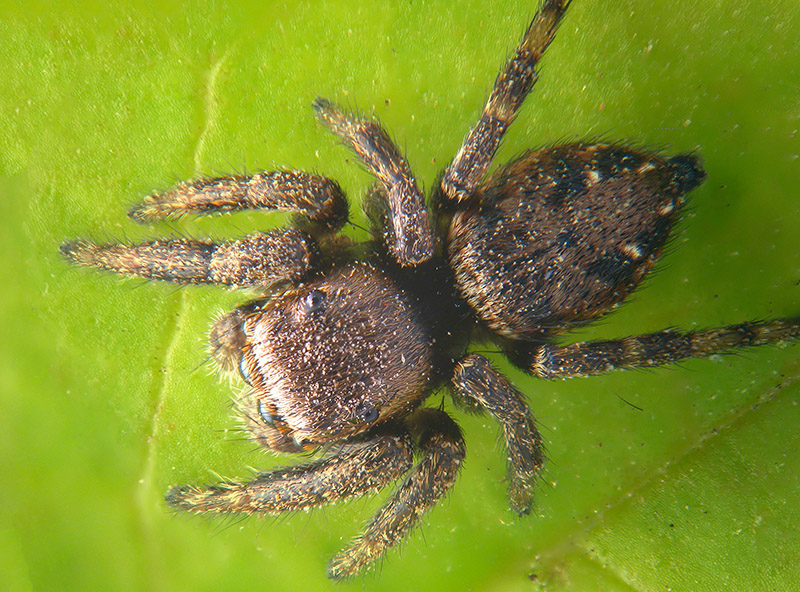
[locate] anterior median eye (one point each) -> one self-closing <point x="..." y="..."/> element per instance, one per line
<point x="312" y="302"/>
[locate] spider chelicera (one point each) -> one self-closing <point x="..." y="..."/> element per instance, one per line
<point x="349" y="339"/>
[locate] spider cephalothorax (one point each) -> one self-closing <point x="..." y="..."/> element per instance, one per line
<point x="321" y="374"/>
<point x="348" y="340"/>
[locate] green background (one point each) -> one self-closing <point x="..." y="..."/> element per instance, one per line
<point x="683" y="478"/>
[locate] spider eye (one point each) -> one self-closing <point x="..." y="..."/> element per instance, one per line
<point x="245" y="371"/>
<point x="265" y="414"/>
<point x="368" y="414"/>
<point x="312" y="302"/>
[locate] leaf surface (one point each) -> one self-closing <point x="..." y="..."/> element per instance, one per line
<point x="683" y="478"/>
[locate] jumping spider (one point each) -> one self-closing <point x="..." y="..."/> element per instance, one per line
<point x="348" y="340"/>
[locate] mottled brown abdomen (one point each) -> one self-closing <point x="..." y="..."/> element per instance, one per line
<point x="563" y="234"/>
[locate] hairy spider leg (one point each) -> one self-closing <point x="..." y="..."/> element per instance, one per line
<point x="349" y="471"/>
<point x="255" y="261"/>
<point x="653" y="349"/>
<point x="318" y="199"/>
<point x="478" y="381"/>
<point x="409" y="237"/>
<point x="442" y="446"/>
<point x="462" y="177"/>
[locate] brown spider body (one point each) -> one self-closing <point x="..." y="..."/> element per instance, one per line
<point x="349" y="340"/>
<point x="334" y="357"/>
<point x="563" y="235"/>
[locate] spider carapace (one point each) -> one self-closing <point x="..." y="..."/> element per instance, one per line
<point x="348" y="340"/>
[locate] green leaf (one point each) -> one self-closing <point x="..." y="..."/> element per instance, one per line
<point x="683" y="478"/>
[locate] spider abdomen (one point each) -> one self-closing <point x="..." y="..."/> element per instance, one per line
<point x="563" y="234"/>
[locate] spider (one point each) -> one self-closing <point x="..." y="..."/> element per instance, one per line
<point x="347" y="340"/>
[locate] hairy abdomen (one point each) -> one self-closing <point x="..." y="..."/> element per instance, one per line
<point x="564" y="234"/>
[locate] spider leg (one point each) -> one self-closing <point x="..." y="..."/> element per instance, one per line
<point x="255" y="261"/>
<point x="410" y="237"/>
<point x="653" y="349"/>
<point x="318" y="199"/>
<point x="476" y="379"/>
<point x="442" y="448"/>
<point x="461" y="178"/>
<point x="353" y="470"/>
